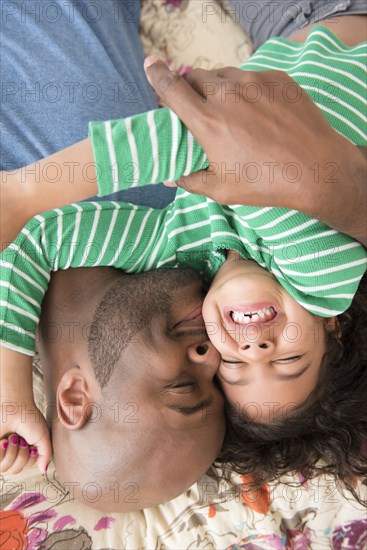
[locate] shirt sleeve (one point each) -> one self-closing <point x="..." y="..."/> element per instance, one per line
<point x="146" y="148"/>
<point x="319" y="267"/>
<point x="78" y="235"/>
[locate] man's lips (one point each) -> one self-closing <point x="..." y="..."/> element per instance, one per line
<point x="251" y="314"/>
<point x="193" y="320"/>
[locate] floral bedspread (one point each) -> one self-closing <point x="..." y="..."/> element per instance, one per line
<point x="40" y="514"/>
<point x="37" y="513"/>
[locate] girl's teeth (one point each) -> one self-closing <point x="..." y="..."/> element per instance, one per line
<point x="248" y="317"/>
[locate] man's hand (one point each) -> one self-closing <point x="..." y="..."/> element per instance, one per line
<point x="268" y="144"/>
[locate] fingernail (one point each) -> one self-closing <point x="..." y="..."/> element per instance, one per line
<point x="14" y="439"/>
<point x="170" y="184"/>
<point x="33" y="451"/>
<point x="4" y="444"/>
<point x="150" y="60"/>
<point x="22" y="443"/>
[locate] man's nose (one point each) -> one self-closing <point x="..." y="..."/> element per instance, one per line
<point x="205" y="354"/>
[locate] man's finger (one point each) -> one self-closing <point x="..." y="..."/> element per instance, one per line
<point x="230" y="73"/>
<point x="176" y="93"/>
<point x="170" y="183"/>
<point x="205" y="83"/>
<point x="200" y="183"/>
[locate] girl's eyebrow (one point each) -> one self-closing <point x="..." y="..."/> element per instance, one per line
<point x="233" y="382"/>
<point x="293" y="376"/>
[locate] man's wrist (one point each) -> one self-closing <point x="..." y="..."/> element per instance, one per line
<point x="352" y="193"/>
<point x="341" y="201"/>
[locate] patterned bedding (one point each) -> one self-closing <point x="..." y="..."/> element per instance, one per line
<point x="38" y="513"/>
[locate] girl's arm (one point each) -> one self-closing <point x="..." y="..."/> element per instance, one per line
<point x="79" y="235"/>
<point x="150" y="148"/>
<point x="65" y="177"/>
<point x="143" y="149"/>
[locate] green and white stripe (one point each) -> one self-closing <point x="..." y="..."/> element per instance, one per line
<point x="156" y="146"/>
<point x="319" y="267"/>
<point x="134" y="151"/>
<point x="137" y="239"/>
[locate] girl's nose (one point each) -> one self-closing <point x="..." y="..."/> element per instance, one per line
<point x="258" y="350"/>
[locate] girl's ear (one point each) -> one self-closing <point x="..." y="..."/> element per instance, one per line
<point x="332" y="325"/>
<point x="73" y="400"/>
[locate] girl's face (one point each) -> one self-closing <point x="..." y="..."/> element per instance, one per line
<point x="271" y="347"/>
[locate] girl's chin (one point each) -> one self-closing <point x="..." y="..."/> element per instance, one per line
<point x="251" y="298"/>
<point x="245" y="285"/>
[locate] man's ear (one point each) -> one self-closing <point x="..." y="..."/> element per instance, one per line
<point x="73" y="399"/>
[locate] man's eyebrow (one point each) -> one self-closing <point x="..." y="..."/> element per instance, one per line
<point x="278" y="377"/>
<point x="188" y="411"/>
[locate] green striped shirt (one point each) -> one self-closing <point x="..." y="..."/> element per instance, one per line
<point x="156" y="146"/>
<point x="318" y="266"/>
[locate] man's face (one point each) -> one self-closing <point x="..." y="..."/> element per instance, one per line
<point x="165" y="381"/>
<point x="163" y="422"/>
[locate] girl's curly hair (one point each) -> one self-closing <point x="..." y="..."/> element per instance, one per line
<point x="328" y="434"/>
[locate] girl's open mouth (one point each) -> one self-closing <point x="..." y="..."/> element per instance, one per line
<point x="251" y="313"/>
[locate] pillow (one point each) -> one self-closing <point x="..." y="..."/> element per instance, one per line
<point x="191" y="34"/>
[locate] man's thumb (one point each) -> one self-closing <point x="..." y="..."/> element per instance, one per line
<point x="159" y="76"/>
<point x="175" y="92"/>
<point x="198" y="183"/>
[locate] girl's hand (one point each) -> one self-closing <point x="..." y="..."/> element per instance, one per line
<point x="16" y="455"/>
<point x="19" y="413"/>
<point x="25" y="438"/>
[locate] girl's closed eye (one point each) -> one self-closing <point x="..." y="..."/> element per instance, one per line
<point x="291" y="359"/>
<point x="282" y="360"/>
